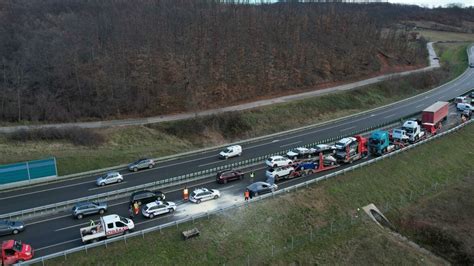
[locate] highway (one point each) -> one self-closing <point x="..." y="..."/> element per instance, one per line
<point x="61" y="231"/>
<point x="40" y="195"/>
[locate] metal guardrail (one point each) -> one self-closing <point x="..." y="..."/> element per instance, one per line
<point x="173" y="181"/>
<point x="239" y="204"/>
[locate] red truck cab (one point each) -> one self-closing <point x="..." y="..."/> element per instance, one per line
<point x="14" y="251"/>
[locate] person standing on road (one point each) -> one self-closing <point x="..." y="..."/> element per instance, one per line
<point x="131" y="211"/>
<point x="92" y="223"/>
<point x="246" y="194"/>
<point x="185" y="193"/>
<point x="252" y="175"/>
<point x="136" y="208"/>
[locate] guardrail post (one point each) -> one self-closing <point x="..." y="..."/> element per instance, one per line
<point x="65" y="256"/>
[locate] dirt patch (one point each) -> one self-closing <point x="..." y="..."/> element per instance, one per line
<point x="444" y="223"/>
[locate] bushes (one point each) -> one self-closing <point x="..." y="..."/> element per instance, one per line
<point x="75" y="135"/>
<point x="230" y="125"/>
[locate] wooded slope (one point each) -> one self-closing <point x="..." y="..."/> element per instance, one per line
<point x="65" y="60"/>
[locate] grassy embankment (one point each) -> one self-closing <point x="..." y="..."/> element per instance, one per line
<point x="248" y="233"/>
<point x="124" y="144"/>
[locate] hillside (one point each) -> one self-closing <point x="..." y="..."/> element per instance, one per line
<point x="84" y="60"/>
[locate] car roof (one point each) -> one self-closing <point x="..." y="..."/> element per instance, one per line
<point x="111" y="218"/>
<point x="155" y="203"/>
<point x="201" y="190"/>
<point x="234" y="146"/>
<point x="113" y="172"/>
<point x="324" y="146"/>
<point x="276" y="157"/>
<point x="142" y="192"/>
<point x="84" y="203"/>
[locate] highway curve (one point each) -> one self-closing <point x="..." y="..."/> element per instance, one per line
<point x="61" y="232"/>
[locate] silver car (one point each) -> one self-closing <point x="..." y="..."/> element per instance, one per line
<point x="141" y="164"/>
<point x="82" y="209"/>
<point x="203" y="194"/>
<point x="109" y="178"/>
<point x="11" y="227"/>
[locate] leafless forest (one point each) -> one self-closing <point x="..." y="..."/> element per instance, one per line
<point x="66" y="60"/>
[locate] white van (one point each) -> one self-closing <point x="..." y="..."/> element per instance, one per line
<point x="231" y="151"/>
<point x="464" y="106"/>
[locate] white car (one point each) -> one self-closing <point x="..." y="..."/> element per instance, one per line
<point x="231" y="151"/>
<point x="276" y="161"/>
<point x="279" y="172"/>
<point x="300" y="152"/>
<point x="158" y="207"/>
<point x="464" y="106"/>
<point x="204" y="194"/>
<point x="109" y="178"/>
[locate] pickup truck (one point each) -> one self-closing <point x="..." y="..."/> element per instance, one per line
<point x="109" y="226"/>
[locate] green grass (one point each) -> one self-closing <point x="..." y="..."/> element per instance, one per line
<point x="234" y="236"/>
<point x="434" y="36"/>
<point x="125" y="144"/>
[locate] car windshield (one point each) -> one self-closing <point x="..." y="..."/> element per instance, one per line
<point x="409" y="130"/>
<point x="193" y="194"/>
<point x="374" y="141"/>
<point x="227" y="150"/>
<point x="18" y="246"/>
<point x="340" y="144"/>
<point x="123" y="220"/>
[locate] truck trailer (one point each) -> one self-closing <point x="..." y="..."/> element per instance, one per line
<point x="432" y="116"/>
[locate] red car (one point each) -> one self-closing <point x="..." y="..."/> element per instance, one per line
<point x="14" y="251"/>
<point x="229" y="175"/>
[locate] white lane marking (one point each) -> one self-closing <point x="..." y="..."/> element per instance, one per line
<point x="258" y="145"/>
<point x="346" y="129"/>
<point x="58" y="244"/>
<point x="183" y="162"/>
<point x="289" y="144"/>
<point x="275" y="140"/>
<point x="72" y="226"/>
<point x="50" y="219"/>
<point x="390" y="115"/>
<point x="107" y="186"/>
<point x="418" y="106"/>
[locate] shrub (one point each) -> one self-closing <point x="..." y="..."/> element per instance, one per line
<point x="75" y="135"/>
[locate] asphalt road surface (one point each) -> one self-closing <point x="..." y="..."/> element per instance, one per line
<point x="61" y="231"/>
<point x="40" y="195"/>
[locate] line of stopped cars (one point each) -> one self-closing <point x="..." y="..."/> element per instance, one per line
<point x="298" y="162"/>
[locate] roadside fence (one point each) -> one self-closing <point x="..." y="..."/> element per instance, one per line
<point x="405" y="197"/>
